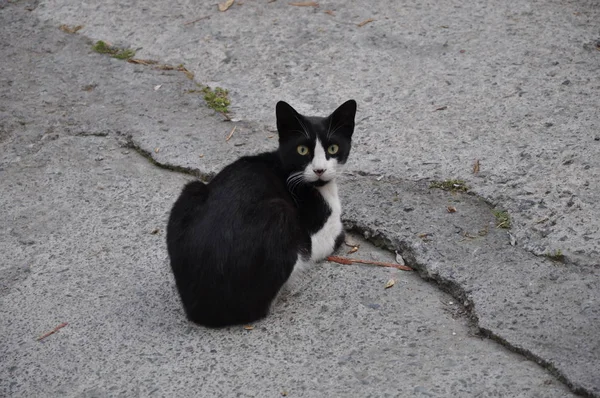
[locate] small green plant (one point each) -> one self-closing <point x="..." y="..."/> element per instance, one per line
<point x="124" y="54"/>
<point x="115" y="52"/>
<point x="450" y="185"/>
<point x="216" y="99"/>
<point x="557" y="255"/>
<point x="502" y="219"/>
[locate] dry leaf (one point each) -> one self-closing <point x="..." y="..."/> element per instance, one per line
<point x="305" y="4"/>
<point x="248" y="327"/>
<point x="230" y="134"/>
<point x="389" y="284"/>
<point x="330" y="12"/>
<point x="56" y="329"/>
<point x="476" y="166"/>
<point x="225" y="5"/>
<point x="155" y="231"/>
<point x="67" y="29"/>
<point x="363" y="23"/>
<point x="451" y="209"/>
<point x="351" y="242"/>
<point x="441" y="108"/>
<point x="353" y="250"/>
<point x="399" y="259"/>
<point x="513" y="240"/>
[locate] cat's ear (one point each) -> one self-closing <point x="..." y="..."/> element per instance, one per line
<point x="287" y="118"/>
<point x="342" y="119"/>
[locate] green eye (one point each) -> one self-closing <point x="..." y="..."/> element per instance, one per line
<point x="333" y="149"/>
<point x="302" y="150"/>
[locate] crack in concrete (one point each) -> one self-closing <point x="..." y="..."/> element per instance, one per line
<point x="461" y="295"/>
<point x="204" y="177"/>
<point x="407" y="250"/>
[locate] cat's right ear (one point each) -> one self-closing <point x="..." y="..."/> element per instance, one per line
<point x="287" y="118"/>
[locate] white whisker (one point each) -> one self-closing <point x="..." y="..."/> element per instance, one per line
<point x="336" y="128"/>
<point x="303" y="127"/>
<point x="292" y="183"/>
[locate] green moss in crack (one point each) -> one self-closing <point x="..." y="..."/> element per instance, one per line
<point x="451" y="185"/>
<point x="119" y="53"/>
<point x="124" y="54"/>
<point x="217" y="99"/>
<point x="557" y="255"/>
<point x="502" y="219"/>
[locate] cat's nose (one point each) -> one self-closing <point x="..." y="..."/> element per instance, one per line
<point x="319" y="172"/>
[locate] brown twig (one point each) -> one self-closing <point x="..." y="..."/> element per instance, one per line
<point x="363" y="23"/>
<point x="196" y="20"/>
<point x="56" y="329"/>
<point x="348" y="261"/>
<point x="142" y="61"/>
<point x="230" y="134"/>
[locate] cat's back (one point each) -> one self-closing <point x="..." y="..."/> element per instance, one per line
<point x="247" y="180"/>
<point x="232" y="204"/>
<point x="234" y="242"/>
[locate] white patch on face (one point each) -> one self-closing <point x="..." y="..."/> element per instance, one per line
<point x="320" y="162"/>
<point x="323" y="241"/>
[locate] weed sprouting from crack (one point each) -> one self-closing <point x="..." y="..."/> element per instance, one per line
<point x="217" y="99"/>
<point x="102" y="47"/>
<point x="502" y="219"/>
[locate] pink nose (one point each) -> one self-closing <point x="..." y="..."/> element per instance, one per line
<point x="319" y="172"/>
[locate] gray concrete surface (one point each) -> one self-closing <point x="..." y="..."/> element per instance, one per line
<point x="519" y="79"/>
<point x="92" y="260"/>
<point x="79" y="204"/>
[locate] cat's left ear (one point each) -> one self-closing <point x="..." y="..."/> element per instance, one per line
<point x="287" y="118"/>
<point x="342" y="119"/>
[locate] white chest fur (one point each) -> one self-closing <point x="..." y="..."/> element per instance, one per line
<point x="323" y="241"/>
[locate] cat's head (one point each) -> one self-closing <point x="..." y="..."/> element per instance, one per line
<point x="315" y="148"/>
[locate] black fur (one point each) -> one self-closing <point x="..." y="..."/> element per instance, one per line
<point x="233" y="243"/>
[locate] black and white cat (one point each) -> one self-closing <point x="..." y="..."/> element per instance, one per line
<point x="233" y="243"/>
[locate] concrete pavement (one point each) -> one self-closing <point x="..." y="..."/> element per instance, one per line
<point x="81" y="204"/>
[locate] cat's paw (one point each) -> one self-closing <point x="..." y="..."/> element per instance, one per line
<point x="339" y="240"/>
